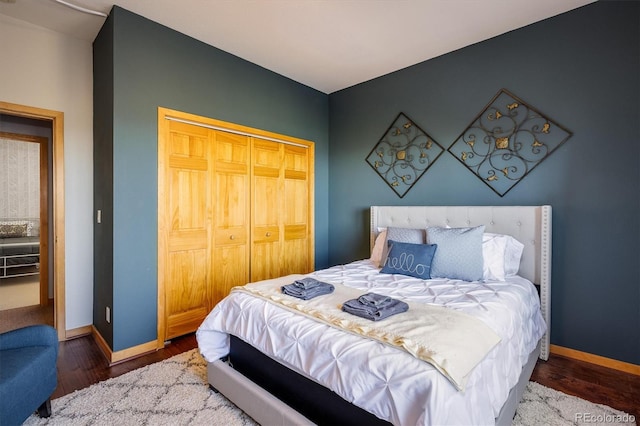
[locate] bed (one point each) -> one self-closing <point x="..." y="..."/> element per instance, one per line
<point x="287" y="367"/>
<point x="19" y="247"/>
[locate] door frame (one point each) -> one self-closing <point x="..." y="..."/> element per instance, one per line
<point x="57" y="197"/>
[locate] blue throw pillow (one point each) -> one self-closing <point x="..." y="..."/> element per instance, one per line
<point x="409" y="259"/>
<point x="459" y="254"/>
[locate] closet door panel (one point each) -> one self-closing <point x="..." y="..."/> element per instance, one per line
<point x="187" y="253"/>
<point x="185" y="306"/>
<point x="295" y="250"/>
<point x="295" y="241"/>
<point x="231" y="213"/>
<point x="230" y="269"/>
<point x="262" y="266"/>
<point x="266" y="205"/>
<point x="265" y="233"/>
<point x="295" y="213"/>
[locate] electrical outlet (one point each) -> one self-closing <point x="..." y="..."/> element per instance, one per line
<point x="108" y="314"/>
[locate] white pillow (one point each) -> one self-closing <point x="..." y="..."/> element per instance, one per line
<point x="493" y="248"/>
<point x="512" y="255"/>
<point x="501" y="254"/>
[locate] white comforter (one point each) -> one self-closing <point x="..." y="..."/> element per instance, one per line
<point x="384" y="380"/>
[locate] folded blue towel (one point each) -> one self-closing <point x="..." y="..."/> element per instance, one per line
<point x="372" y="312"/>
<point x="306" y="289"/>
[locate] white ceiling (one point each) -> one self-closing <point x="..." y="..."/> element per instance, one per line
<point x="328" y="45"/>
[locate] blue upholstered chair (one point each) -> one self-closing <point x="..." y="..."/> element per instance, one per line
<point x="28" y="374"/>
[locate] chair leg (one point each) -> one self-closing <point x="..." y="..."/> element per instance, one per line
<point x="44" y="410"/>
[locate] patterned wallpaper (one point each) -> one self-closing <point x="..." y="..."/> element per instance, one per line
<point x="19" y="179"/>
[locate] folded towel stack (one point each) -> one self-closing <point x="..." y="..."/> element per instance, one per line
<point x="374" y="306"/>
<point x="307" y="288"/>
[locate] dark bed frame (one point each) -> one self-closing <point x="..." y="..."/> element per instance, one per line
<point x="314" y="401"/>
<point x="307" y="401"/>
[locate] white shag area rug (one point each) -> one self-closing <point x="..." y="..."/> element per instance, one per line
<point x="175" y="392"/>
<point x="541" y="405"/>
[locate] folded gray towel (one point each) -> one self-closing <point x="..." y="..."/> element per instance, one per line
<point x="307" y="283"/>
<point x="376" y="300"/>
<point x="316" y="289"/>
<point x="372" y="312"/>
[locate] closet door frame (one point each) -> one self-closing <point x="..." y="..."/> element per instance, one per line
<point x="164" y="116"/>
<point x="57" y="198"/>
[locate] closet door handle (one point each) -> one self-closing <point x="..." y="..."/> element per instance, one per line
<point x="232" y="237"/>
<point x="268" y="234"/>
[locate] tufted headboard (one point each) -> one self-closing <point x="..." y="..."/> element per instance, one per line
<point x="531" y="225"/>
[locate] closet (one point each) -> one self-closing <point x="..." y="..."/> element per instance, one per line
<point x="235" y="205"/>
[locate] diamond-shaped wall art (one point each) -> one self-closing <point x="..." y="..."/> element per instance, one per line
<point x="506" y="141"/>
<point x="403" y="154"/>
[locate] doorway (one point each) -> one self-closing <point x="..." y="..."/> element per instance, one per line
<point x="24" y="218"/>
<point x="47" y="261"/>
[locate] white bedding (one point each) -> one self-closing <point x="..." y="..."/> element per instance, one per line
<point x="381" y="379"/>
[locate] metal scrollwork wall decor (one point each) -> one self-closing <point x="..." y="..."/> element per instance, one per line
<point x="403" y="154"/>
<point x="506" y="141"/>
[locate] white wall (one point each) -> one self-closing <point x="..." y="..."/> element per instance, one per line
<point x="44" y="69"/>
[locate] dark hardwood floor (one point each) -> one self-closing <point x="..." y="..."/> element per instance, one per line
<point x="592" y="382"/>
<point x="80" y="364"/>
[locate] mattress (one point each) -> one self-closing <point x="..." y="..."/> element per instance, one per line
<point x="381" y="379"/>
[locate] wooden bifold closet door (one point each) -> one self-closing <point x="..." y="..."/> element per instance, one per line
<point x="280" y="210"/>
<point x="232" y="208"/>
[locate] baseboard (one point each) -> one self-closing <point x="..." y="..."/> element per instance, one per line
<point x="123" y="355"/>
<point x="596" y="359"/>
<point x="78" y="332"/>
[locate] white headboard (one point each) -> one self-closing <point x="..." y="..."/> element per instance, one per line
<point x="531" y="225"/>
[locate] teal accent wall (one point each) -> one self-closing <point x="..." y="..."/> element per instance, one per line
<point x="154" y="66"/>
<point x="103" y="179"/>
<point x="582" y="70"/>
